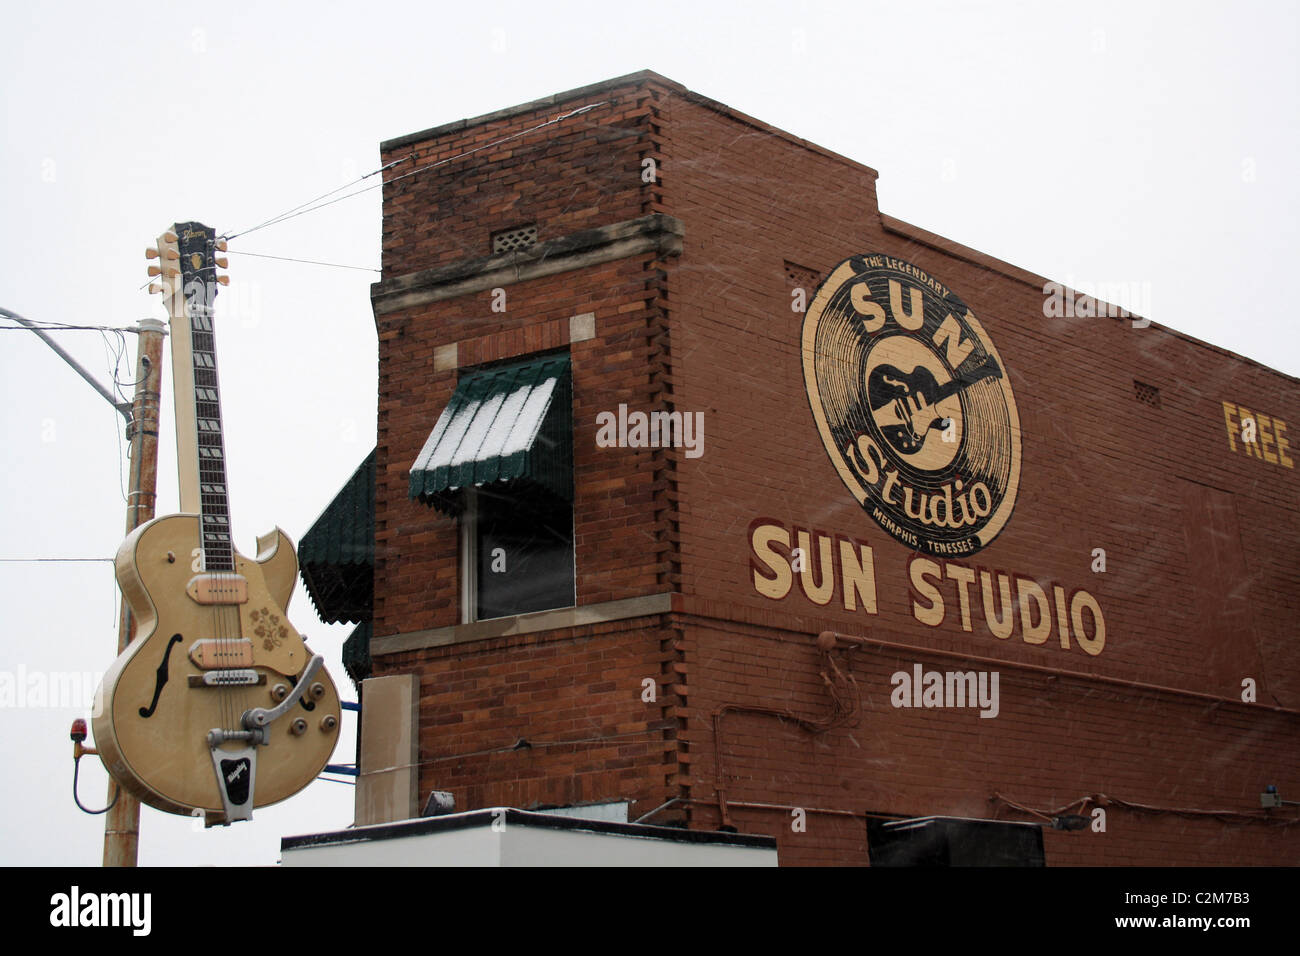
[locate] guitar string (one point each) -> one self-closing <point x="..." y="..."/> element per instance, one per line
<point x="225" y="644"/>
<point x="215" y="617"/>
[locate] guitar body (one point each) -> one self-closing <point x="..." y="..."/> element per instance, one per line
<point x="153" y="710"/>
<point x="902" y="405"/>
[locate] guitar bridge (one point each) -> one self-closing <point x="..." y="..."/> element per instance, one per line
<point x="239" y="677"/>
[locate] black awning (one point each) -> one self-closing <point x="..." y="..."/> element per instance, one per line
<point x="336" y="556"/>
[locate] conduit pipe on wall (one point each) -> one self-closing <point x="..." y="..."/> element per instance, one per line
<point x="832" y="639"/>
<point x="844" y="712"/>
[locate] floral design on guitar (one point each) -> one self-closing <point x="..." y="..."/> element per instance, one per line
<point x="269" y="628"/>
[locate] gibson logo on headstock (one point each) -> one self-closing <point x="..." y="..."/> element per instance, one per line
<point x="913" y="405"/>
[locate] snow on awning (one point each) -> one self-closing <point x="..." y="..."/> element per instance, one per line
<point x="506" y="423"/>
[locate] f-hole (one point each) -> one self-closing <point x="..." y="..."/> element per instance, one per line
<point x="160" y="679"/>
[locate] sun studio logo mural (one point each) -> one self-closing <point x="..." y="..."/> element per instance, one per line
<point x="913" y="405"/>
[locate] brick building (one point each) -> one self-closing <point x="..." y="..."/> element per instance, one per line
<point x="703" y="485"/>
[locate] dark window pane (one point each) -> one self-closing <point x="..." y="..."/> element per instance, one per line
<point x="525" y="551"/>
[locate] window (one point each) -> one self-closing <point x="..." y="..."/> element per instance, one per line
<point x="517" y="551"/>
<point x="501" y="457"/>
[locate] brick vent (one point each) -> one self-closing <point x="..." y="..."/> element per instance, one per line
<point x="801" y="277"/>
<point x="1146" y="394"/>
<point x="512" y="240"/>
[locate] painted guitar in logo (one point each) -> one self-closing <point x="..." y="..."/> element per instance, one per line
<point x="217" y="705"/>
<point x="903" y="404"/>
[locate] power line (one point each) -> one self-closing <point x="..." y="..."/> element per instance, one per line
<point x="314" y="205"/>
<point x="504" y="139"/>
<point x="312" y="262"/>
<point x="64" y="327"/>
<point x="51" y="560"/>
<point x="309" y="202"/>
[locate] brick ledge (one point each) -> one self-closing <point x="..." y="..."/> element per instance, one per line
<point x="657" y="233"/>
<point x="644" y="606"/>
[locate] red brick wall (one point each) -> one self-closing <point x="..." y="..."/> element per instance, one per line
<point x="417" y="580"/>
<point x="713" y="331"/>
<point x="574" y="696"/>
<point x="1053" y="742"/>
<point x="584" y="684"/>
<point x="1100" y="471"/>
<point x="581" y="172"/>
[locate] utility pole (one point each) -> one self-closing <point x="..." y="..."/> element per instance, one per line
<point x="122" y="822"/>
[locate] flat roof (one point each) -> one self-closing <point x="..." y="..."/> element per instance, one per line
<point x="509" y="815"/>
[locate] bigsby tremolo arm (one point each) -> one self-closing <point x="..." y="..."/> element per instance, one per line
<point x="257" y="719"/>
<point x="236" y="769"/>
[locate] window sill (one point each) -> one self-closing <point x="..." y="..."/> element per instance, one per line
<point x="552" y="620"/>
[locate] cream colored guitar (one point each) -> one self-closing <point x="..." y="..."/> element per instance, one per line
<point x="217" y="705"/>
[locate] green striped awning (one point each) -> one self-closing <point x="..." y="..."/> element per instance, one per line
<point x="506" y="423"/>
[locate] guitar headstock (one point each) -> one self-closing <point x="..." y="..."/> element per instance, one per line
<point x="187" y="267"/>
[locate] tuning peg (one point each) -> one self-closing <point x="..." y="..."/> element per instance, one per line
<point x="155" y="270"/>
<point x="221" y="261"/>
<point x="223" y="280"/>
<point x="220" y="245"/>
<point x="151" y="253"/>
<point x="154" y="287"/>
<point x="170" y="236"/>
<point x="171" y="254"/>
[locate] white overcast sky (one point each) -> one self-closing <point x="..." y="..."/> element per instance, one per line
<point x="1150" y="144"/>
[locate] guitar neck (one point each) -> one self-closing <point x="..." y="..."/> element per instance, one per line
<point x="990" y="369"/>
<point x="200" y="438"/>
<point x="214" y="509"/>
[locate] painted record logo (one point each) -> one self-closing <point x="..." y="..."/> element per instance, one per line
<point x="913" y="404"/>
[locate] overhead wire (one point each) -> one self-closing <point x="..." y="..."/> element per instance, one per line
<point x="323" y="200"/>
<point x="65" y="327"/>
<point x="315" y="204"/>
<point x="312" y="262"/>
<point x="288" y="212"/>
<point x="59" y="560"/>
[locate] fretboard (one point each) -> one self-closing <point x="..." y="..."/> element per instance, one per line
<point x="214" y="510"/>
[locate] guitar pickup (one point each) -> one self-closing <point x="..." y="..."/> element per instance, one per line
<point x="218" y="589"/>
<point x="212" y="655"/>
